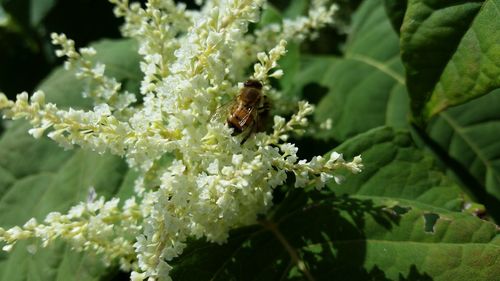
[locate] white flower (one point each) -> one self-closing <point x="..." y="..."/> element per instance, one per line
<point x="195" y="178"/>
<point x="8" y="247"/>
<point x="135" y="276"/>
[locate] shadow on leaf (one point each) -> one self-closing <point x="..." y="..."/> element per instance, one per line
<point x="310" y="236"/>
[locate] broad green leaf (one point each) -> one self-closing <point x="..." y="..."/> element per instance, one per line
<point x="38" y="177"/>
<point x="451" y="53"/>
<point x="395" y="169"/>
<point x="474" y="69"/>
<point x="365" y="88"/>
<point x="467" y="138"/>
<point x="375" y="233"/>
<point x="430" y="33"/>
<point x="37" y="194"/>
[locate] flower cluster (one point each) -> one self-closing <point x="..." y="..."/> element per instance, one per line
<point x="87" y="226"/>
<point x="193" y="60"/>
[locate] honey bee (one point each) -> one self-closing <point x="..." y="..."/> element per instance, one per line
<point x="248" y="111"/>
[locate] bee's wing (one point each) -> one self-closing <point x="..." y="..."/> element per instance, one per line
<point x="251" y="111"/>
<point x="222" y="112"/>
<point x="253" y="127"/>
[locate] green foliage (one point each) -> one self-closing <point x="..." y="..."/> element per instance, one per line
<point x="25" y="45"/>
<point x="466" y="136"/>
<point x="415" y="176"/>
<point x="409" y="230"/>
<point x="402" y="218"/>
<point x="55" y="185"/>
<point x="38" y="177"/>
<point x="450" y="50"/>
<point x="451" y="55"/>
<point x="122" y="63"/>
<point x="477" y="58"/>
<point x="368" y="81"/>
<point x="405" y="217"/>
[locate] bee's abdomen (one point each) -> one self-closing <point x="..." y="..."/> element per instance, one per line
<point x="233" y="122"/>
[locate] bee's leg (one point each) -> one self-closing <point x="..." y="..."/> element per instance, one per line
<point x="249" y="133"/>
<point x="263" y="115"/>
<point x="265" y="108"/>
<point x="236" y="130"/>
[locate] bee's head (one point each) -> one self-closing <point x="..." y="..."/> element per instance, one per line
<point x="253" y="84"/>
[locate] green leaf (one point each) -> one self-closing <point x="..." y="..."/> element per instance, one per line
<point x="375" y="233"/>
<point x="451" y="54"/>
<point x="37" y="194"/>
<point x="396" y="169"/>
<point x="122" y="63"/>
<point x="269" y="15"/>
<point x="296" y="8"/>
<point x="427" y="45"/>
<point x="466" y="137"/>
<point x="365" y="88"/>
<point x="38" y="177"/>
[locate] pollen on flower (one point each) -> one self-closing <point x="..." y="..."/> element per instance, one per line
<point x="195" y="178"/>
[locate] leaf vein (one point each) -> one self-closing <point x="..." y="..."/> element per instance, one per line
<point x="378" y="65"/>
